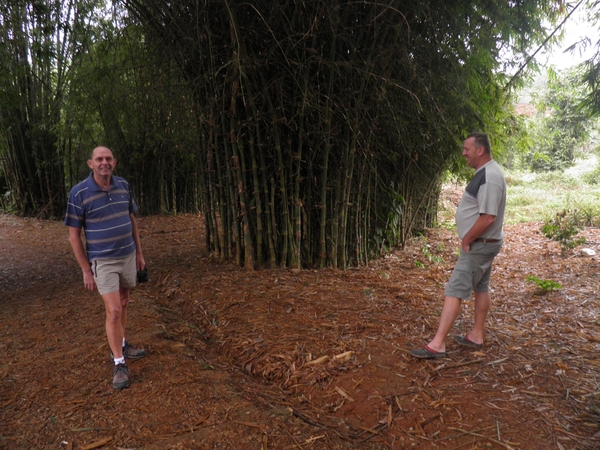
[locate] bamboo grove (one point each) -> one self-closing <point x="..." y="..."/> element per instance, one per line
<point x="30" y="107"/>
<point x="309" y="133"/>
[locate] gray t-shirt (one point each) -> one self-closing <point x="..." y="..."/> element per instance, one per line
<point x="485" y="194"/>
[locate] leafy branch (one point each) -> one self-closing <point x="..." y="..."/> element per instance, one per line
<point x="545" y="285"/>
<point x="564" y="228"/>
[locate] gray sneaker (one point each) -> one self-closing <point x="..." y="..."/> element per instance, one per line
<point x="120" y="376"/>
<point x="130" y="352"/>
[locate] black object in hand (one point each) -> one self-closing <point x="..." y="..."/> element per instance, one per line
<point x="142" y="275"/>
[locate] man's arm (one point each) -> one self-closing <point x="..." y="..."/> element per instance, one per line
<point x="483" y="223"/>
<point x="77" y="246"/>
<point x="139" y="256"/>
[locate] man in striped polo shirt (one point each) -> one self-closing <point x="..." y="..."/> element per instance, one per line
<point x="103" y="207"/>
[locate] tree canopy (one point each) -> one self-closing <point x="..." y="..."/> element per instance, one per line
<point x="309" y="133"/>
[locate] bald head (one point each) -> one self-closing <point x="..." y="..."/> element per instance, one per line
<point x="100" y="148"/>
<point x="102" y="162"/>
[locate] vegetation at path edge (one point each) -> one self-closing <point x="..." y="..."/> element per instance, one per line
<point x="538" y="197"/>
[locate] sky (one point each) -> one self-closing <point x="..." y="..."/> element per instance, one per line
<point x="577" y="26"/>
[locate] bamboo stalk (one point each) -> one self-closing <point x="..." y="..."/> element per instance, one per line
<point x="237" y="149"/>
<point x="325" y="159"/>
<point x="286" y="227"/>
<point x="234" y="235"/>
<point x="225" y="234"/>
<point x="270" y="205"/>
<point x="260" y="232"/>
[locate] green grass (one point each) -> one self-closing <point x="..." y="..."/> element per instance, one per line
<point x="535" y="197"/>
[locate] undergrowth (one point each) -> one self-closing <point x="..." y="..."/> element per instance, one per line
<point x="537" y="197"/>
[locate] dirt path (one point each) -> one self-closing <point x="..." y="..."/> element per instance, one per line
<point x="277" y="359"/>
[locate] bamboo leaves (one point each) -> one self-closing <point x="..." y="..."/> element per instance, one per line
<point x="323" y="106"/>
<point x="294" y="126"/>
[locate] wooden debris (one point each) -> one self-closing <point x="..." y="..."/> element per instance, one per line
<point x="343" y="356"/>
<point x="540" y="394"/>
<point x="343" y="393"/>
<point x="97" y="444"/>
<point x="311" y="440"/>
<point x="321" y="360"/>
<point x="507" y="445"/>
<point x="461" y="364"/>
<point x="250" y="424"/>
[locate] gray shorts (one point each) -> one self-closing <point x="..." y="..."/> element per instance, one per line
<point x="472" y="271"/>
<point x="112" y="274"/>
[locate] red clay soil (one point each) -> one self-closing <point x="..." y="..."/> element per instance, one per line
<point x="279" y="359"/>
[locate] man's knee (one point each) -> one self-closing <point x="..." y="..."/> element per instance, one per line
<point x="114" y="313"/>
<point x="113" y="305"/>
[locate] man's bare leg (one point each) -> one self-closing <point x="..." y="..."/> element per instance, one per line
<point x="125" y="296"/>
<point x="114" y="322"/>
<point x="450" y="312"/>
<point x="482" y="306"/>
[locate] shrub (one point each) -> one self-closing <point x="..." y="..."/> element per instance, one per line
<point x="564" y="228"/>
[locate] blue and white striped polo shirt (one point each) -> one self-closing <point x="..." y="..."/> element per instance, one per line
<point x="104" y="217"/>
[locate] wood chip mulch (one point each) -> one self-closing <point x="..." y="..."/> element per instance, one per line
<point x="295" y="360"/>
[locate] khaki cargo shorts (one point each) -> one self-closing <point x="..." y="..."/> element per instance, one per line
<point x="112" y="274"/>
<point x="472" y="271"/>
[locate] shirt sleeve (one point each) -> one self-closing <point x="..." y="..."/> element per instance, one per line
<point x="74" y="216"/>
<point x="490" y="197"/>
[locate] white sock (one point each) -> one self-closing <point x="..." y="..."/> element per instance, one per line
<point x="124" y="341"/>
<point x="120" y="360"/>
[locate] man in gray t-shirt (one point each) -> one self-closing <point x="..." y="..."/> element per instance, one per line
<point x="479" y="219"/>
